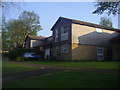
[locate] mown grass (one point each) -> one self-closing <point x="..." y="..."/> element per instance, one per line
<point x="8" y="68"/>
<point x="68" y="79"/>
<point x="88" y="64"/>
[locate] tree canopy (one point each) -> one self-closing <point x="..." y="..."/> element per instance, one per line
<point x="15" y="30"/>
<point x="104" y="21"/>
<point x="107" y="7"/>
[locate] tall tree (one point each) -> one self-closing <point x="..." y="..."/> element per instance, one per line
<point x="4" y="32"/>
<point x="8" y="7"/>
<point x="27" y="23"/>
<point x="104" y="21"/>
<point x="108" y="7"/>
<point x="31" y="22"/>
<point x="15" y="33"/>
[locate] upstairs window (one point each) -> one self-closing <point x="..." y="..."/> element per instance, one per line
<point x="99" y="30"/>
<point x="64" y="33"/>
<point x="56" y="35"/>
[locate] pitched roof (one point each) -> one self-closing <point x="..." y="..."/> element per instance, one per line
<point x="36" y="37"/>
<point x="87" y="24"/>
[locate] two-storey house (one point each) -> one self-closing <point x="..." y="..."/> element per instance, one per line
<point x="78" y="40"/>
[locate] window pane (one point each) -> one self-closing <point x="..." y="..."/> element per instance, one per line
<point x="100" y="53"/>
<point x="64" y="48"/>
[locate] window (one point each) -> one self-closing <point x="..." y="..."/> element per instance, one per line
<point x="99" y="30"/>
<point x="100" y="53"/>
<point x="56" y="35"/>
<point x="64" y="33"/>
<point x="64" y="29"/>
<point x="64" y="49"/>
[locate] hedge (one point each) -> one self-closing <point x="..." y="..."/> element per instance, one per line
<point x="13" y="54"/>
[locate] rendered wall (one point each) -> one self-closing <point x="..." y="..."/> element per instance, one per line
<point x="83" y="52"/>
<point x="87" y="35"/>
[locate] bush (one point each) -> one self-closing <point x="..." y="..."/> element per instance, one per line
<point x="5" y="54"/>
<point x="20" y="59"/>
<point x="13" y="54"/>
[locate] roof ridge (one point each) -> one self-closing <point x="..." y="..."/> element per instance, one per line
<point x="88" y="23"/>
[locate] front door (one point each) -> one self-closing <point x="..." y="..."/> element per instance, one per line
<point x="47" y="53"/>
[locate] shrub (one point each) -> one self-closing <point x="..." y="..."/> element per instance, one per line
<point x="20" y="59"/>
<point x="5" y="54"/>
<point x="13" y="54"/>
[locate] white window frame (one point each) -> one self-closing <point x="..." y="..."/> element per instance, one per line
<point x="64" y="49"/>
<point x="99" y="30"/>
<point x="100" y="54"/>
<point x="64" y="35"/>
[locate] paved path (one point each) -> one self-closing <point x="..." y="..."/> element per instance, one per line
<point x="46" y="69"/>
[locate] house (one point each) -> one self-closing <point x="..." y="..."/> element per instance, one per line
<point x="44" y="44"/>
<point x="32" y="41"/>
<point x="78" y="40"/>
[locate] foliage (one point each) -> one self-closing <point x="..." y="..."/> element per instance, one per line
<point x="104" y="21"/>
<point x="5" y="41"/>
<point x="108" y="7"/>
<point x="20" y="59"/>
<point x="31" y="22"/>
<point x="5" y="54"/>
<point x="15" y="31"/>
<point x="9" y="7"/>
<point x="13" y="54"/>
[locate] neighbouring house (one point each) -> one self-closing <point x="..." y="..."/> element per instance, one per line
<point x="33" y="41"/>
<point x="44" y="44"/>
<point x="78" y="40"/>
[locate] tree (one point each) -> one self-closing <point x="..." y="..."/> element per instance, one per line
<point x="15" y="33"/>
<point x="4" y="33"/>
<point x="17" y="29"/>
<point x="31" y="22"/>
<point x="8" y="7"/>
<point x="104" y="21"/>
<point x="108" y="7"/>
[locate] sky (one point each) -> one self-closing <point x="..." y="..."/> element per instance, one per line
<point x="49" y="12"/>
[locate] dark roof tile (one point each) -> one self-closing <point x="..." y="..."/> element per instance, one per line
<point x="36" y="37"/>
<point x="90" y="24"/>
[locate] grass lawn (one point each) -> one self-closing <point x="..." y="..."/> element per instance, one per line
<point x="8" y="68"/>
<point x="92" y="64"/>
<point x="68" y="79"/>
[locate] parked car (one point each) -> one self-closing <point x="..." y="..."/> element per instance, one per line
<point x="32" y="55"/>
